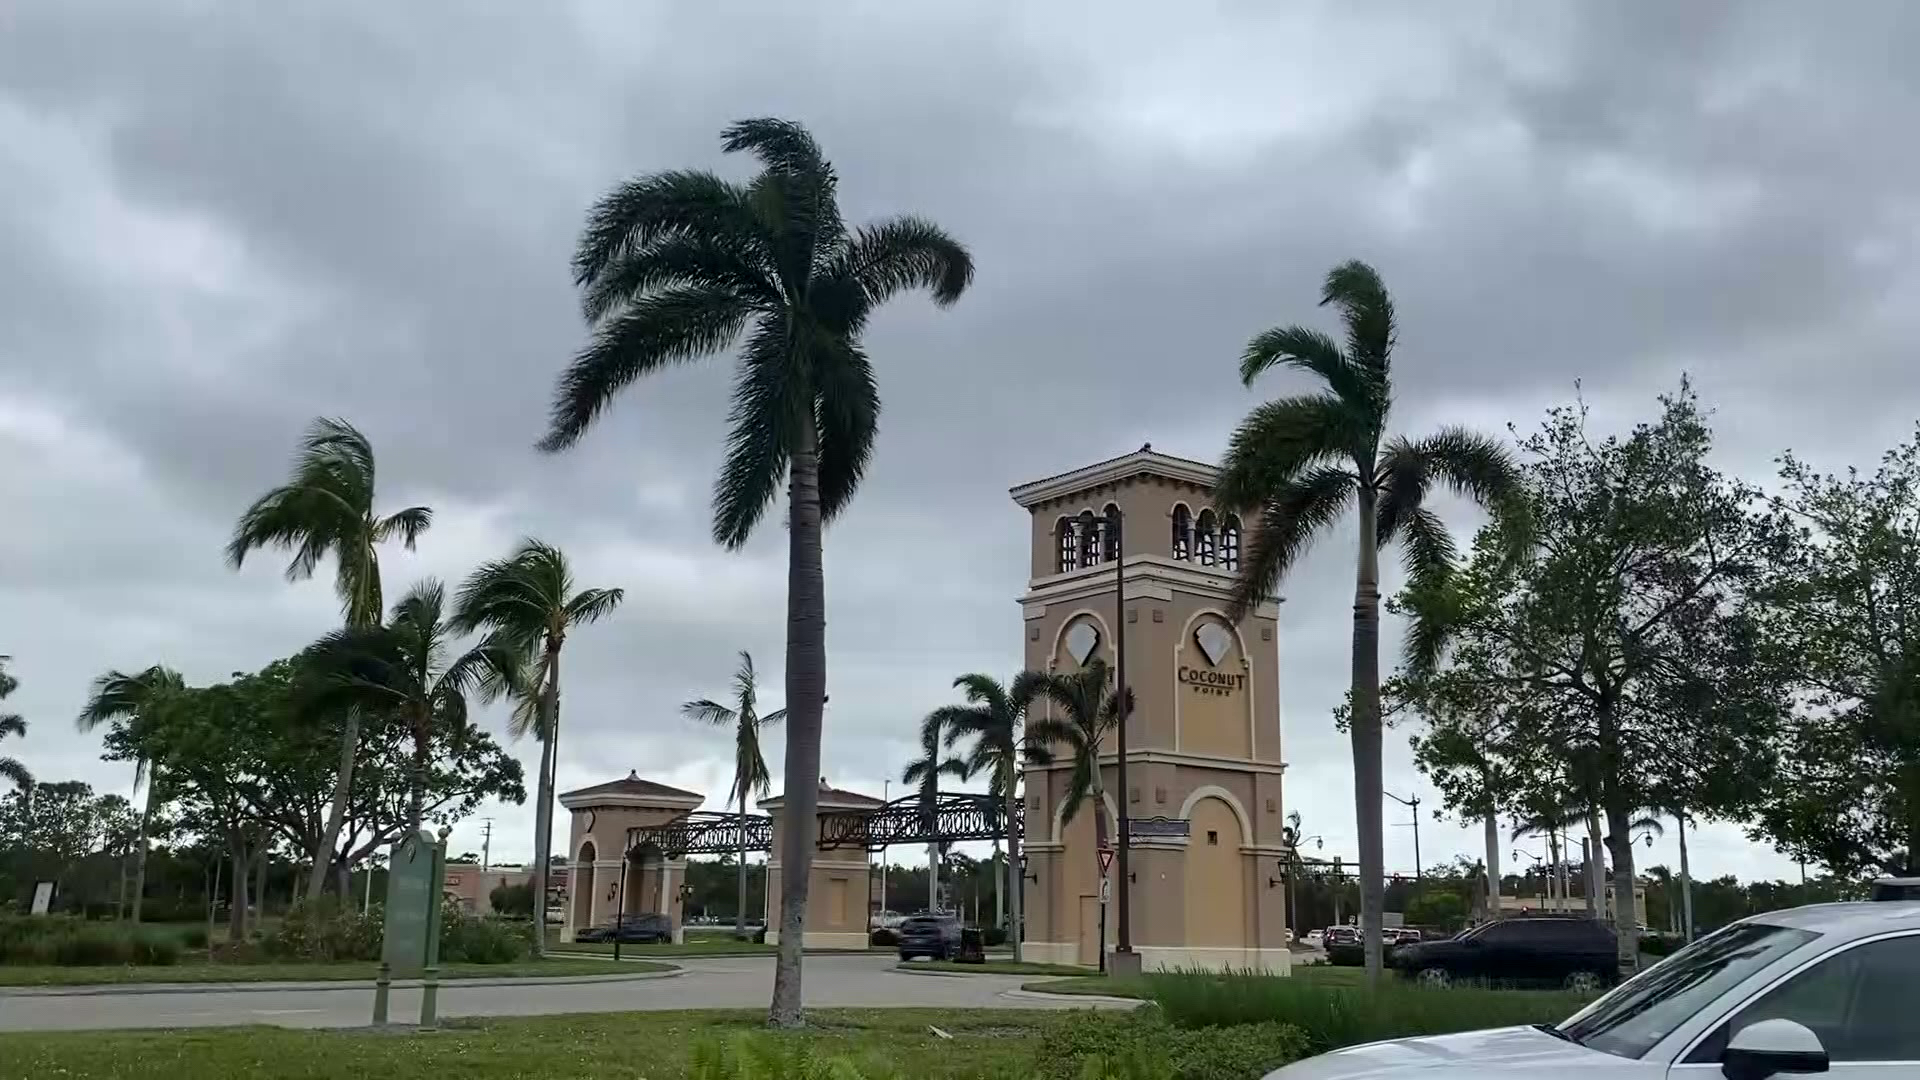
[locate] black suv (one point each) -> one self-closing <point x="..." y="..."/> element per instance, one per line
<point x="1577" y="953"/>
<point x="630" y="930"/>
<point x="936" y="935"/>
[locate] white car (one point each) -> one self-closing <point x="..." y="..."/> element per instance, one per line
<point x="1831" y="988"/>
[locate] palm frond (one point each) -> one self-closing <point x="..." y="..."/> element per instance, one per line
<point x="767" y="407"/>
<point x="1290" y="518"/>
<point x="1312" y="351"/>
<point x="719" y="264"/>
<point x="12" y="770"/>
<point x="904" y="253"/>
<point x="671" y="326"/>
<point x="117" y="695"/>
<point x="847" y="416"/>
<point x="1471" y="464"/>
<point x="592" y="605"/>
<point x="795" y="198"/>
<point x="707" y="711"/>
<point x="1355" y="289"/>
<point x="986" y="691"/>
<point x="1281" y="439"/>
<point x="407" y="524"/>
<point x="12" y="724"/>
<point x="646" y="210"/>
<point x="1428" y="554"/>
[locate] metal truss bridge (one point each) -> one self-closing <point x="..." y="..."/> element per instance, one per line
<point x="952" y="816"/>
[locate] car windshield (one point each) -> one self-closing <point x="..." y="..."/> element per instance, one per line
<point x="1643" y="1010"/>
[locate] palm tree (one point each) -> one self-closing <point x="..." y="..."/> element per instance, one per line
<point x="750" y="775"/>
<point x="1300" y="462"/>
<point x="527" y="602"/>
<point x="402" y="668"/>
<point x="1087" y="712"/>
<point x="120" y="696"/>
<point x="326" y="508"/>
<point x="675" y="267"/>
<point x="14" y="725"/>
<point x="993" y="717"/>
<point x="924" y="773"/>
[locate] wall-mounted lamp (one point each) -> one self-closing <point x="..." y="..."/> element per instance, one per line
<point x="1035" y="878"/>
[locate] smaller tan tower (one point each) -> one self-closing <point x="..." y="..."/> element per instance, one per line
<point x="1203" y="744"/>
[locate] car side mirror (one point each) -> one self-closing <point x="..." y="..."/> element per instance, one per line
<point x="1761" y="1050"/>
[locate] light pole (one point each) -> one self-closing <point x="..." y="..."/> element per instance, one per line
<point x="1414" y="805"/>
<point x="1537" y="860"/>
<point x="1126" y="963"/>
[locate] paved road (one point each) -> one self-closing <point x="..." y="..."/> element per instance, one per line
<point x="732" y="982"/>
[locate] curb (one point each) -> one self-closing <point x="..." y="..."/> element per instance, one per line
<point x="1091" y="1000"/>
<point x="118" y="989"/>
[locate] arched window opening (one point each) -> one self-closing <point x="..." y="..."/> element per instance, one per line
<point x="1204" y="540"/>
<point x="1065" y="547"/>
<point x="1230" y="543"/>
<point x="1182" y="533"/>
<point x="1110" y="533"/>
<point x="1090" y="528"/>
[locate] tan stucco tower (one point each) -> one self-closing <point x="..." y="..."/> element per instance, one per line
<point x="597" y="842"/>
<point x="1203" y="761"/>
<point x="836" y="888"/>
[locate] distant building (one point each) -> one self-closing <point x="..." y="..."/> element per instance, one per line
<point x="472" y="888"/>
<point x="1516" y="905"/>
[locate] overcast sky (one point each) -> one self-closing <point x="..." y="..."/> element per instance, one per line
<point x="218" y="221"/>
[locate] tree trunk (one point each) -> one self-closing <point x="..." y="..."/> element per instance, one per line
<point x="1018" y="880"/>
<point x="237" y="903"/>
<point x="933" y="877"/>
<point x="337" y="813"/>
<point x="543" y="809"/>
<point x="806" y="701"/>
<point x="1686" y="880"/>
<point x="1367" y="780"/>
<point x="999" y="895"/>
<point x="343" y="879"/>
<point x="1626" y="921"/>
<point x="1493" y="864"/>
<point x="740" y="901"/>
<point x="260" y="887"/>
<point x="417" y="788"/>
<point x="140" y="849"/>
<point x="1596" y="865"/>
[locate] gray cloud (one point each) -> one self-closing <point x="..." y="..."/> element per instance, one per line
<point x="219" y="221"/>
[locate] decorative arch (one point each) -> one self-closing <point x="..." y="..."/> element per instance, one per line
<point x="1060" y="632"/>
<point x="1110" y="533"/>
<point x="1186" y="629"/>
<point x="1214" y="791"/>
<point x="1091" y="526"/>
<point x="1182" y="531"/>
<point x="1180" y="645"/>
<point x="1206" y="544"/>
<point x="1230" y="542"/>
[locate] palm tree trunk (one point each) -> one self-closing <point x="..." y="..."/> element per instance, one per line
<point x="337" y="813"/>
<point x="806" y="700"/>
<point x="1017" y="880"/>
<point x="543" y="810"/>
<point x="140" y="847"/>
<point x="1596" y="865"/>
<point x="1492" y="826"/>
<point x="417" y="788"/>
<point x="740" y="900"/>
<point x="933" y="877"/>
<point x="1367" y="779"/>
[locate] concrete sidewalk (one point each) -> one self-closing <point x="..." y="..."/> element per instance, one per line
<point x="134" y="988"/>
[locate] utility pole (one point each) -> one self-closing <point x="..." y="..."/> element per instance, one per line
<point x="1414" y="805"/>
<point x="885" y="794"/>
<point x="1126" y="962"/>
<point x="486" y="844"/>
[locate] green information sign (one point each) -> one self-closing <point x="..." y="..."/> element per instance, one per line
<point x="414" y="876"/>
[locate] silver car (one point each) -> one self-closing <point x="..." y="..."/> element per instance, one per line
<point x="1831" y="988"/>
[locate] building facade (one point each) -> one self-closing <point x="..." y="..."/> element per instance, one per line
<point x="602" y="881"/>
<point x="1204" y="755"/>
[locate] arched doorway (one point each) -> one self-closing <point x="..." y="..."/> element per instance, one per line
<point x="645" y="881"/>
<point x="583" y="882"/>
<point x="1216" y="877"/>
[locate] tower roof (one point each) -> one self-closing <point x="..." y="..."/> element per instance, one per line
<point x="630" y="791"/>
<point x="1142" y="462"/>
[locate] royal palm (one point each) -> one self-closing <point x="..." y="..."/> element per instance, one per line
<point x="750" y="775"/>
<point x="120" y="696"/>
<point x="1299" y="464"/>
<point x="12" y="724"/>
<point x="679" y="266"/>
<point x="993" y="718"/>
<point x="923" y="775"/>
<point x="527" y="603"/>
<point x="1084" y="712"/>
<point x="326" y="508"/>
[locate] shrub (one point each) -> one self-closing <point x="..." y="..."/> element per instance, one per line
<point x="994" y="936"/>
<point x="70" y="941"/>
<point x="758" y="1057"/>
<point x="1333" y="1016"/>
<point x="322" y="930"/>
<point x="194" y="937"/>
<point x="466" y="939"/>
<point x="512" y="900"/>
<point x="1141" y="1045"/>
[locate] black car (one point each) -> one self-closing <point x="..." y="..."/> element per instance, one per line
<point x="936" y="935"/>
<point x="630" y="930"/>
<point x="1577" y="953"/>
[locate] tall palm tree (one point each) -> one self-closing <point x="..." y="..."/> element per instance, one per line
<point x="1086" y="711"/>
<point x="675" y="267"/>
<point x="993" y="718"/>
<point x="120" y="696"/>
<point x="750" y="775"/>
<point x="12" y="724"/>
<point x="1298" y="463"/>
<point x="527" y="602"/>
<point x="924" y="773"/>
<point x="403" y="669"/>
<point x="326" y="508"/>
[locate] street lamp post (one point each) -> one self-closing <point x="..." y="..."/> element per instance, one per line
<point x="1126" y="962"/>
<point x="1414" y="805"/>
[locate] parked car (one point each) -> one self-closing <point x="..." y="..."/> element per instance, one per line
<point x="1403" y="935"/>
<point x="1824" y="988"/>
<point x="935" y="935"/>
<point x="1316" y="937"/>
<point x="642" y="929"/>
<point x="1575" y="952"/>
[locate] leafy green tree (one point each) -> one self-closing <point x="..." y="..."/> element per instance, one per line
<point x="923" y="774"/>
<point x="403" y="668"/>
<point x="1625" y="638"/>
<point x="528" y="603"/>
<point x="750" y="775"/>
<point x="1085" y="710"/>
<point x="1844" y="605"/>
<point x="676" y="266"/>
<point x="12" y="724"/>
<point x="326" y="508"/>
<point x="1443" y="908"/>
<point x="512" y="900"/>
<point x="994" y="718"/>
<point x="1473" y="782"/>
<point x="117" y="695"/>
<point x="1299" y="463"/>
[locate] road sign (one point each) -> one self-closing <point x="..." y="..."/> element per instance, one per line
<point x="1158" y="828"/>
<point x="1106" y="889"/>
<point x="1106" y="860"/>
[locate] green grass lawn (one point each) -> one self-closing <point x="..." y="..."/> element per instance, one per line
<point x="11" y="975"/>
<point x="992" y="967"/>
<point x="651" y="1045"/>
<point x="1102" y="986"/>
